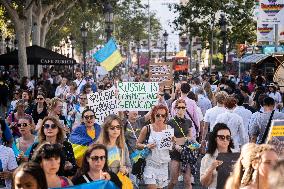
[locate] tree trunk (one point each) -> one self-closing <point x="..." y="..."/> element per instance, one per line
<point x="22" y="55"/>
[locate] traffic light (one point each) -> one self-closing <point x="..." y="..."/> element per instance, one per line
<point x="241" y="49"/>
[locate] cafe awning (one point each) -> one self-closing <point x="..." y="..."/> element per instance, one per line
<point x="37" y="55"/>
<point x="254" y="58"/>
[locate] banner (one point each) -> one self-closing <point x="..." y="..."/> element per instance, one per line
<point x="265" y="32"/>
<point x="137" y="96"/>
<point x="276" y="136"/>
<point x="100" y="184"/>
<point x="271" y="11"/>
<point x="103" y="103"/>
<point x="162" y="73"/>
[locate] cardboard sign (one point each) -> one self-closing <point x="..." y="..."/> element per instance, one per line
<point x="137" y="96"/>
<point x="103" y="103"/>
<point x="224" y="170"/>
<point x="162" y="73"/>
<point x="165" y="141"/>
<point x="276" y="136"/>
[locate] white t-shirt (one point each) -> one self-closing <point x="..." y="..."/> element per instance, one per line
<point x="9" y="162"/>
<point x="79" y="84"/>
<point x="211" y="115"/>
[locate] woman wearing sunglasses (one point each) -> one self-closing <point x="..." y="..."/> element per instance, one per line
<point x="95" y="167"/>
<point x="39" y="110"/>
<point x="156" y="169"/>
<point x="85" y="134"/>
<point x="51" y="131"/>
<point x="22" y="145"/>
<point x="49" y="157"/>
<point x="219" y="141"/>
<point x="182" y="132"/>
<point x="112" y="136"/>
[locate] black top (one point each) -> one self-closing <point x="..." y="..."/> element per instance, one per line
<point x="80" y="179"/>
<point x="67" y="155"/>
<point x="36" y="116"/>
<point x="183" y="123"/>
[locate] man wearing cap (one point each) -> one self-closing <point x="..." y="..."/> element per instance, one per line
<point x="273" y="93"/>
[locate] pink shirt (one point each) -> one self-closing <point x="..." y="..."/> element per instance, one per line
<point x="191" y="108"/>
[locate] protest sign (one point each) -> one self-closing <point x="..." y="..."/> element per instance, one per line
<point x="276" y="136"/>
<point x="165" y="141"/>
<point x="162" y="73"/>
<point x="214" y="88"/>
<point x="103" y="103"/>
<point x="224" y="170"/>
<point x="137" y="96"/>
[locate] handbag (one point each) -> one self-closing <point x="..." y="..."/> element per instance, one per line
<point x="124" y="179"/>
<point x="264" y="136"/>
<point x="138" y="158"/>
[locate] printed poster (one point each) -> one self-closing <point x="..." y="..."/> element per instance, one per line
<point x="271" y="11"/>
<point x="276" y="136"/>
<point x="265" y="32"/>
<point x="165" y="141"/>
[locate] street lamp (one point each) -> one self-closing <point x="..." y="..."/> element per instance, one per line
<point x="72" y="40"/>
<point x="84" y="34"/>
<point x="223" y="25"/>
<point x="108" y="14"/>
<point x="165" y="36"/>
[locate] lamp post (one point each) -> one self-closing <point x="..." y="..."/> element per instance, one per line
<point x="165" y="36"/>
<point x="108" y="14"/>
<point x="223" y="25"/>
<point x="198" y="59"/>
<point x="72" y="39"/>
<point x="138" y="53"/>
<point x="84" y="34"/>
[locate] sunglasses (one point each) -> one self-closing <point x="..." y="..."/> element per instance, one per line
<point x="118" y="127"/>
<point x="223" y="137"/>
<point x="161" y="115"/>
<point x="47" y="126"/>
<point x="181" y="107"/>
<point x="89" y="117"/>
<point x="22" y="124"/>
<point x="83" y="98"/>
<point x="96" y="158"/>
<point x="39" y="98"/>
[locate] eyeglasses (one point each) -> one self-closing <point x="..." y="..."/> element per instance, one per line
<point x="118" y="127"/>
<point x="83" y="98"/>
<point x="96" y="158"/>
<point x="161" y="115"/>
<point x="22" y="124"/>
<point x="47" y="126"/>
<point x="39" y="98"/>
<point x="89" y="116"/>
<point x="223" y="137"/>
<point x="181" y="107"/>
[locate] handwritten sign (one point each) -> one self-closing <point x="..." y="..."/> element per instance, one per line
<point x="165" y="141"/>
<point x="137" y="96"/>
<point x="103" y="103"/>
<point x="162" y="73"/>
<point x="276" y="136"/>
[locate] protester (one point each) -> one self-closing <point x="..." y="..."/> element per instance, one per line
<point x="78" y="109"/>
<point x="182" y="127"/>
<point x="156" y="169"/>
<point x="275" y="177"/>
<point x="56" y="109"/>
<point x="79" y="81"/>
<point x="8" y="164"/>
<point x="234" y="122"/>
<point x="22" y="145"/>
<point x="243" y="169"/>
<point x="39" y="110"/>
<point x="219" y="141"/>
<point x="71" y="97"/>
<point x="62" y="89"/>
<point x="202" y="101"/>
<point x="49" y="157"/>
<point x="208" y="91"/>
<point x="29" y="175"/>
<point x="273" y="93"/>
<point x="51" y="131"/>
<point x="95" y="167"/>
<point x="16" y="97"/>
<point x="112" y="136"/>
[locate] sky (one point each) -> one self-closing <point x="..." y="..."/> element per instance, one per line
<point x="165" y="16"/>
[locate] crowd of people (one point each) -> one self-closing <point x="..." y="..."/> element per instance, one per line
<point x="50" y="138"/>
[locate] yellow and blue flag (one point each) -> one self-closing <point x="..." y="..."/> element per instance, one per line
<point x="100" y="184"/>
<point x="109" y="56"/>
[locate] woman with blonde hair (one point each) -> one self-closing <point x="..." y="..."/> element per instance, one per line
<point x="242" y="174"/>
<point x="112" y="135"/>
<point x="257" y="169"/>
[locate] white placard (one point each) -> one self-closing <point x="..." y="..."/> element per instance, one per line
<point x="103" y="103"/>
<point x="271" y="11"/>
<point x="165" y="142"/>
<point x="137" y="96"/>
<point x="265" y="32"/>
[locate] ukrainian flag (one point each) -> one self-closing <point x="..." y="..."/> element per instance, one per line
<point x="109" y="56"/>
<point x="100" y="184"/>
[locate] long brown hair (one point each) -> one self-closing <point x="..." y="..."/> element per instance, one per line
<point x="155" y="110"/>
<point x="60" y="134"/>
<point x="104" y="135"/>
